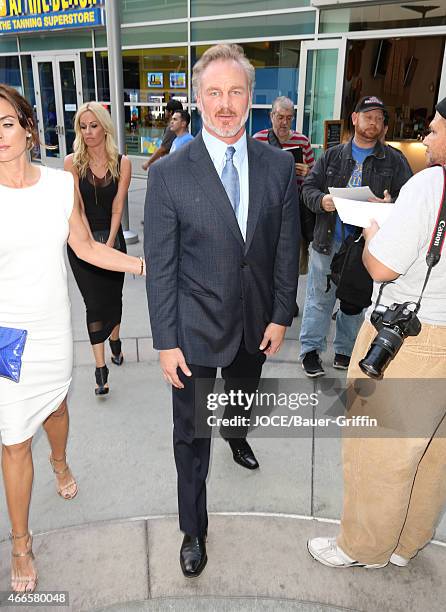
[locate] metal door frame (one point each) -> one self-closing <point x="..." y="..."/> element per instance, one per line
<point x="341" y="45"/>
<point x="55" y="59"/>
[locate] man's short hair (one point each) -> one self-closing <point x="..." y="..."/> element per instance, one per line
<point x="184" y="116"/>
<point x="282" y="102"/>
<point x="174" y="106"/>
<point x="222" y="52"/>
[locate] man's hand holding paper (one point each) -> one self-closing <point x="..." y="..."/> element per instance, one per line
<point x="387" y="199"/>
<point x="361" y="213"/>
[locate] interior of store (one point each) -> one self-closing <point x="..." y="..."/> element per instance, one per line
<point x="405" y="73"/>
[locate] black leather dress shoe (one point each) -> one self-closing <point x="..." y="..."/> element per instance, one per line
<point x="242" y="453"/>
<point x="193" y="557"/>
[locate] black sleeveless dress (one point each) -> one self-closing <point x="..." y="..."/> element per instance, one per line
<point x="101" y="289"/>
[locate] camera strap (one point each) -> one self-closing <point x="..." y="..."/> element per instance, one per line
<point x="438" y="236"/>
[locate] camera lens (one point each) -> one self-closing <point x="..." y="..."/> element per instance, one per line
<point x="381" y="352"/>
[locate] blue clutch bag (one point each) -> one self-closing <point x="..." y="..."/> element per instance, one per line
<point x="12" y="343"/>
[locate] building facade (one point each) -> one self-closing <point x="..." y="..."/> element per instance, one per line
<point x="323" y="54"/>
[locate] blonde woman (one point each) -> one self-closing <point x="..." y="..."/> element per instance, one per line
<point x="102" y="178"/>
<point x="39" y="212"/>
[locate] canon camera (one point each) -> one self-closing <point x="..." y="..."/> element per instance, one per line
<point x="393" y="325"/>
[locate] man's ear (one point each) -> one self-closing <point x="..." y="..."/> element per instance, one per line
<point x="354" y="118"/>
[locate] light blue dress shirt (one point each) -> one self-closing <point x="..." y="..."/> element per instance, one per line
<point x="217" y="152"/>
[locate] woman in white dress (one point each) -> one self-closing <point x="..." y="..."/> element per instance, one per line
<point x="39" y="212"/>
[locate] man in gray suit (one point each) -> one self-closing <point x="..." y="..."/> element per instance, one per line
<point x="221" y="245"/>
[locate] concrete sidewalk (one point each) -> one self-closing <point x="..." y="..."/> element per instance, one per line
<point x="115" y="546"/>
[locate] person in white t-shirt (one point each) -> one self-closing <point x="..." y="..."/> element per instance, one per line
<point x="394" y="484"/>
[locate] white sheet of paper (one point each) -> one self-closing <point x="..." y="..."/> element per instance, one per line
<point x="361" y="213"/>
<point x="360" y="194"/>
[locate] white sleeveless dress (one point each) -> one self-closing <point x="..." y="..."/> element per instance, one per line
<point x="34" y="296"/>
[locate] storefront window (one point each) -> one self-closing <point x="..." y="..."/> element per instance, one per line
<point x="10" y="72"/>
<point x="151" y="78"/>
<point x="260" y="119"/>
<point x="28" y="90"/>
<point x="28" y="79"/>
<point x="320" y="86"/>
<point x="383" y="16"/>
<point x="144" y="127"/>
<point x="49" y="42"/>
<point x="148" y="35"/>
<point x="203" y="8"/>
<point x="153" y="35"/>
<point x="277" y="68"/>
<point x="87" y="69"/>
<point x="8" y="44"/>
<point x="290" y="24"/>
<point x="265" y="26"/>
<point x="155" y="75"/>
<point x="196" y="123"/>
<point x="404" y="72"/>
<point x="133" y="11"/>
<point x="102" y="76"/>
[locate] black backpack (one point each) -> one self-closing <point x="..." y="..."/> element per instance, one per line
<point x="354" y="284"/>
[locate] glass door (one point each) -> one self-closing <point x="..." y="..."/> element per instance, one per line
<point x="58" y="96"/>
<point x="320" y="87"/>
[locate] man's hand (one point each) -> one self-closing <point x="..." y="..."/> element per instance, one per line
<point x="327" y="203"/>
<point x="369" y="232"/>
<point x="170" y="361"/>
<point x="274" y="334"/>
<point x="302" y="169"/>
<point x="387" y="198"/>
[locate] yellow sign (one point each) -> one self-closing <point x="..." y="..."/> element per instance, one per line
<point x="19" y="8"/>
<point x="33" y="15"/>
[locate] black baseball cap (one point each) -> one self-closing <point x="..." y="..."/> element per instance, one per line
<point x="368" y="103"/>
<point x="441" y="108"/>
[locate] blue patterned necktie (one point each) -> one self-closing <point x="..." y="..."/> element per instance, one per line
<point x="230" y="180"/>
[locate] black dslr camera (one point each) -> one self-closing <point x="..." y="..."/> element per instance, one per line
<point x="393" y="325"/>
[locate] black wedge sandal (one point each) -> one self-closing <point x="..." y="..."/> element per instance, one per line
<point x="117" y="356"/>
<point x="101" y="375"/>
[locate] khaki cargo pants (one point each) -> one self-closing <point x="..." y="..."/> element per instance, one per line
<point x="395" y="476"/>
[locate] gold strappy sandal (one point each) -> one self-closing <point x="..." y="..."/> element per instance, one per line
<point x="63" y="491"/>
<point x="24" y="580"/>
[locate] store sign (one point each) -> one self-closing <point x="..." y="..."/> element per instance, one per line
<point x="18" y="16"/>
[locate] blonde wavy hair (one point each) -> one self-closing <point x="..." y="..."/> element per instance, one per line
<point x="81" y="158"/>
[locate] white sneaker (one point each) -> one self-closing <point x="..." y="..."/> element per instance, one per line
<point x="398" y="560"/>
<point x="327" y="552"/>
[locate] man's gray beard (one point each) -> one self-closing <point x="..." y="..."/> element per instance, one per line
<point x="433" y="160"/>
<point x="228" y="133"/>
